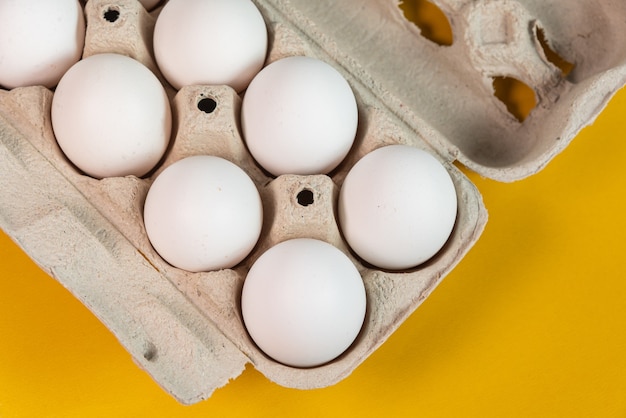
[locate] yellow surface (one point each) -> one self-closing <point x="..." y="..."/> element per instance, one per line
<point x="532" y="323"/>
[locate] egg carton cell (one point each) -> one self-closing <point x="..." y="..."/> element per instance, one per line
<point x="185" y="329"/>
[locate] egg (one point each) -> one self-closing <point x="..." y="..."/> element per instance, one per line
<point x="210" y="42"/>
<point x="397" y="207"/>
<point x="299" y="116"/>
<point x="39" y="41"/>
<point x="203" y="213"/>
<point x="111" y="116"/>
<point x="303" y="302"/>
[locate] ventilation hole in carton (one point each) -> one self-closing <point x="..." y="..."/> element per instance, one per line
<point x="305" y="197"/>
<point x="430" y="19"/>
<point x="561" y="63"/>
<point x="207" y="105"/>
<point x="111" y="14"/>
<point x="518" y="97"/>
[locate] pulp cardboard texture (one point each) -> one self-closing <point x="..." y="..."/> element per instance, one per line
<point x="185" y="329"/>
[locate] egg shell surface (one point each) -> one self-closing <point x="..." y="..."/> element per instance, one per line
<point x="39" y="41"/>
<point x="203" y="213"/>
<point x="303" y="302"/>
<point x="397" y="207"/>
<point x="111" y="116"/>
<point x="210" y="42"/>
<point x="299" y="116"/>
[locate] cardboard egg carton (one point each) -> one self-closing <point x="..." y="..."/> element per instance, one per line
<point x="185" y="329"/>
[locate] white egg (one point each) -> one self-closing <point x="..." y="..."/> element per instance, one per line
<point x="203" y="213"/>
<point x="210" y="42"/>
<point x="111" y="116"/>
<point x="299" y="116"/>
<point x="397" y="207"/>
<point x="39" y="41"/>
<point x="303" y="302"/>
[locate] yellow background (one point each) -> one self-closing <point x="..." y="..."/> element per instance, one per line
<point x="532" y="323"/>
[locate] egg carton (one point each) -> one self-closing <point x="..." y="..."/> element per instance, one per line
<point x="185" y="329"/>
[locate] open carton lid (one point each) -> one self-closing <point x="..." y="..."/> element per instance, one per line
<point x="446" y="93"/>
